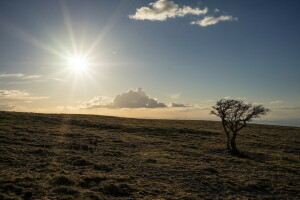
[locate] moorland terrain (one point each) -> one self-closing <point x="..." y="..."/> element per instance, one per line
<point x="61" y="156"/>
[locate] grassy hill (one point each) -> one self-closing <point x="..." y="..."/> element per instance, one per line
<point x="48" y="156"/>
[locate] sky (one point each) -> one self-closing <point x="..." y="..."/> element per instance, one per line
<point x="150" y="58"/>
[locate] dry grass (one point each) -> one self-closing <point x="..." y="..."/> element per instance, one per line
<point x="45" y="156"/>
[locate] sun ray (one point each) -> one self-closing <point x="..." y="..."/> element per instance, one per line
<point x="68" y="24"/>
<point x="21" y="34"/>
<point x="107" y="28"/>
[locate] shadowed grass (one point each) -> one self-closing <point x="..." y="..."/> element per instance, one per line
<point x="58" y="156"/>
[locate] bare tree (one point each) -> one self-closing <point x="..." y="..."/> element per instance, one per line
<point x="235" y="114"/>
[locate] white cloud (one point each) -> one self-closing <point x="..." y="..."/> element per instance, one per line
<point x="161" y="10"/>
<point x="208" y="20"/>
<point x="136" y="99"/>
<point x="275" y="102"/>
<point x="130" y="99"/>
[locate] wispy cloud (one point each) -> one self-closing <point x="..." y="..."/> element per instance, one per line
<point x="179" y="105"/>
<point x="210" y="100"/>
<point x="4" y="107"/>
<point x="11" y="75"/>
<point x="18" y="95"/>
<point x="161" y="10"/>
<point x="58" y="79"/>
<point x="275" y="102"/>
<point x="22" y="76"/>
<point x="175" y="96"/>
<point x="32" y="76"/>
<point x="13" y="93"/>
<point x="289" y="108"/>
<point x="209" y="20"/>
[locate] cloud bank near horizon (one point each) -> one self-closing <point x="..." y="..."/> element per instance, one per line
<point x="129" y="99"/>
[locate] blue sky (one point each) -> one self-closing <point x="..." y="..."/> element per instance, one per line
<point x="180" y="53"/>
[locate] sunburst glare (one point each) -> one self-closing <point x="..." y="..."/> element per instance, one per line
<point x="78" y="64"/>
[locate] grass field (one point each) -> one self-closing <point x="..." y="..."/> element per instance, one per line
<point x="58" y="156"/>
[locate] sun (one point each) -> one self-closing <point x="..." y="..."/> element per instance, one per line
<point x="78" y="64"/>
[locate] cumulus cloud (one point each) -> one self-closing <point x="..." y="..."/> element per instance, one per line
<point x="130" y="99"/>
<point x="209" y="20"/>
<point x="179" y="105"/>
<point x="136" y="99"/>
<point x="161" y="10"/>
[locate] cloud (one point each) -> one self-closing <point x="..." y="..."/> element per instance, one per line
<point x="136" y="99"/>
<point x="210" y="100"/>
<point x="175" y="96"/>
<point x="11" y="75"/>
<point x="290" y="108"/>
<point x="6" y="107"/>
<point x="98" y="102"/>
<point x="22" y="76"/>
<point x="179" y="105"/>
<point x="66" y="108"/>
<point x="18" y="95"/>
<point x="58" y="79"/>
<point x="31" y="76"/>
<point x="161" y="10"/>
<point x="130" y="99"/>
<point x="13" y="93"/>
<point x="208" y="20"/>
<point x="275" y="102"/>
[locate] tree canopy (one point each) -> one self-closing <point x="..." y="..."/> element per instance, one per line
<point x="235" y="114"/>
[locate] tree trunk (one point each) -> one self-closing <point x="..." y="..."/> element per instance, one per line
<point x="228" y="142"/>
<point x="233" y="149"/>
<point x="227" y="134"/>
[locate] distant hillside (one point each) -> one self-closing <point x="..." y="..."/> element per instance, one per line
<point x="59" y="156"/>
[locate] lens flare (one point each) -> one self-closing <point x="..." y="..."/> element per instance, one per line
<point x="78" y="63"/>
